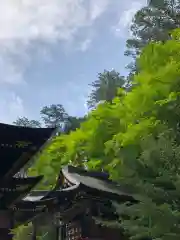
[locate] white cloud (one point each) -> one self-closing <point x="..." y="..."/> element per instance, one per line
<point x="11" y="106"/>
<point x="40" y="19"/>
<point x="9" y="73"/>
<point x="26" y="22"/>
<point x="85" y="45"/>
<point x="97" y="7"/>
<point x="122" y="28"/>
<point x="23" y="22"/>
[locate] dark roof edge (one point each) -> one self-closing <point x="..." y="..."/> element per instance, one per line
<point x="99" y="175"/>
<point x="20" y="164"/>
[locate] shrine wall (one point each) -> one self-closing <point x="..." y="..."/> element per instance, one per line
<point x="101" y="232"/>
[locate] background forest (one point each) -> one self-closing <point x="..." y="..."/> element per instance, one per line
<point x="132" y="129"/>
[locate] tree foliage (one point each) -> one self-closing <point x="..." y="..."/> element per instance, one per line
<point x="105" y="87"/>
<point x="136" y="138"/>
<point x="25" y="122"/>
<point x="135" y="135"/>
<point x="54" y="115"/>
<point x="154" y="180"/>
<point x="152" y="23"/>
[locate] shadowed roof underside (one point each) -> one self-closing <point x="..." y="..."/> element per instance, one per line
<point x="18" y="145"/>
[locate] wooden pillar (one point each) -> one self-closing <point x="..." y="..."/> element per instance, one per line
<point x="63" y="232"/>
<point x="6" y="224"/>
<point x="57" y="237"/>
<point x="34" y="231"/>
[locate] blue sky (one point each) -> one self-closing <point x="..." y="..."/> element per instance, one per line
<point x="51" y="50"/>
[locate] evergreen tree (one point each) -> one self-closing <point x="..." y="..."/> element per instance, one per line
<point x="154" y="180"/>
<point x="25" y="122"/>
<point x="152" y="23"/>
<point x="54" y="115"/>
<point x="105" y="87"/>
